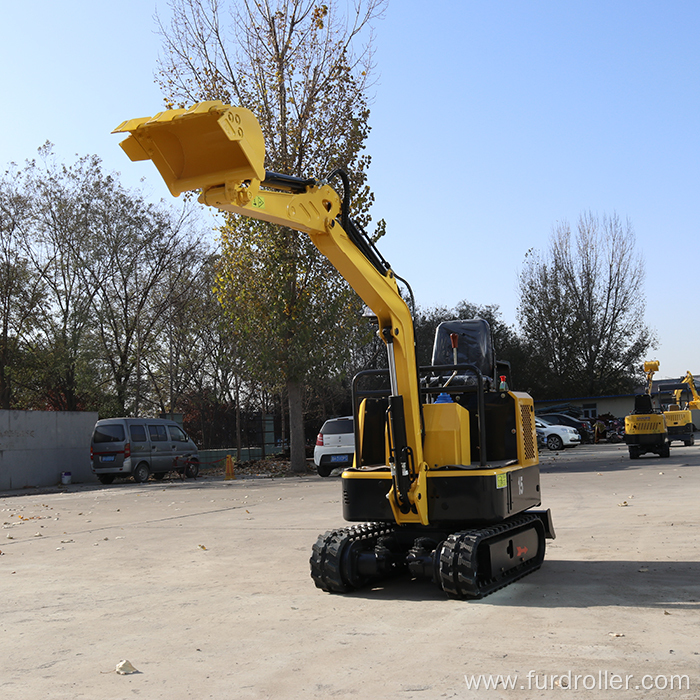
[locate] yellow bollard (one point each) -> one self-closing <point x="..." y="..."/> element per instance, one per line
<point x="230" y="473"/>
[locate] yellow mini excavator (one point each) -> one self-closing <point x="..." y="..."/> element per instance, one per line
<point x="445" y="477"/>
<point x="645" y="427"/>
<point x="677" y="414"/>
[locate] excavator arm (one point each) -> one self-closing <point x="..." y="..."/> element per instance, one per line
<point x="651" y="367"/>
<point x="690" y="381"/>
<point x="219" y="150"/>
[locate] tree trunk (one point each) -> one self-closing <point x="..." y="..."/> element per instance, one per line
<point x="5" y="393"/>
<point x="239" y="437"/>
<point x="283" y="423"/>
<point x="297" y="442"/>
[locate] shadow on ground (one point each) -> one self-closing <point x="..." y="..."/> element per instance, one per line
<point x="573" y="584"/>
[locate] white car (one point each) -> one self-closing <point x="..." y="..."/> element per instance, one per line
<point x="335" y="445"/>
<point x="557" y="437"/>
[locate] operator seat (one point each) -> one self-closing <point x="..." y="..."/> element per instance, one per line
<point x="475" y="347"/>
<point x="643" y="404"/>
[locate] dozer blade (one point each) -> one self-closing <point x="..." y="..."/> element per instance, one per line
<point x="206" y="145"/>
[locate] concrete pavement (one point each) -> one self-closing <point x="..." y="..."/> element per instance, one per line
<point x="204" y="587"/>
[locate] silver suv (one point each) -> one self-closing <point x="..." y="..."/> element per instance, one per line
<point x="140" y="447"/>
<point x="335" y="445"/>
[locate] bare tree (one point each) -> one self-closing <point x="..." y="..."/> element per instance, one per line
<point x="178" y="359"/>
<point x="296" y="64"/>
<point x="134" y="261"/>
<point x="59" y="201"/>
<point x="22" y="293"/>
<point x="582" y="309"/>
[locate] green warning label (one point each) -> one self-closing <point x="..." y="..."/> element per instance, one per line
<point x="501" y="481"/>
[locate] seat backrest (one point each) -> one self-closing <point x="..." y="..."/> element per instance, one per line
<point x="643" y="404"/>
<point x="475" y="345"/>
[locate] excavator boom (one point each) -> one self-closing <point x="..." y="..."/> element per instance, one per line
<point x="219" y="149"/>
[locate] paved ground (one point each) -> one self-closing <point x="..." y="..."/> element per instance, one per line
<point x="204" y="587"/>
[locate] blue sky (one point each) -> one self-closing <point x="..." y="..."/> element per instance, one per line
<point x="491" y="121"/>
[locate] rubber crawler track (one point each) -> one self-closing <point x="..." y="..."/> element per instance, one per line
<point x="459" y="563"/>
<point x="327" y="563"/>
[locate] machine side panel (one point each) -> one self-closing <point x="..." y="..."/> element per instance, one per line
<point x="366" y="496"/>
<point x="482" y="497"/>
<point x="466" y="497"/>
<point x="524" y="488"/>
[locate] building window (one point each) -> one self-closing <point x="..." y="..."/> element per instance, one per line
<point x="590" y="410"/>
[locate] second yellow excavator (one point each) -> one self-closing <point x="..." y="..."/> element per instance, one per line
<point x="677" y="412"/>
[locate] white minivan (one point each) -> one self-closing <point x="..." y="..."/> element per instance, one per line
<point x="140" y="447"/>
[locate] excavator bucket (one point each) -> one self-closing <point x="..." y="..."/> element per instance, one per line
<point x="207" y="145"/>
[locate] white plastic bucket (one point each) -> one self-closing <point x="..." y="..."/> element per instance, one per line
<point x="65" y="478"/>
